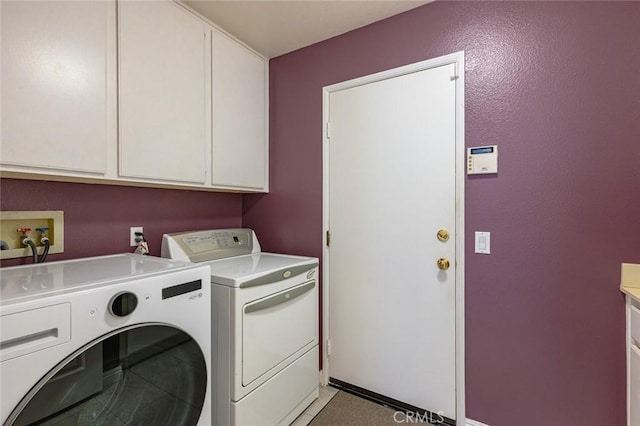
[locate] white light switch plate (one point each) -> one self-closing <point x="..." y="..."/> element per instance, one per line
<point x="483" y="242"/>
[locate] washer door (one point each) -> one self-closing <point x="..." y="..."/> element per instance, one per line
<point x="149" y="374"/>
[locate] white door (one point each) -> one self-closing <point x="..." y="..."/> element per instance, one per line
<point x="392" y="187"/>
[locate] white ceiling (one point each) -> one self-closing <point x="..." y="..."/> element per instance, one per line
<point x="274" y="28"/>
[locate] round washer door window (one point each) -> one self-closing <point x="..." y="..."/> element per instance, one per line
<point x="147" y="375"/>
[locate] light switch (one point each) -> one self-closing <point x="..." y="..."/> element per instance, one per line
<point x="483" y="242"/>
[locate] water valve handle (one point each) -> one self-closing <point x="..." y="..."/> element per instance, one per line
<point x="24" y="230"/>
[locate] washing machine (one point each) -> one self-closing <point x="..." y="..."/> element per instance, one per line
<point x="265" y="334"/>
<point x="110" y="340"/>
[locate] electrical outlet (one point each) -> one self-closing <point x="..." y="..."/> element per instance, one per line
<point x="132" y="235"/>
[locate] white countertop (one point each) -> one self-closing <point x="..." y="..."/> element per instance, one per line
<point x="630" y="280"/>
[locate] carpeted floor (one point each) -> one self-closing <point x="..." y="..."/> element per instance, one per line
<point x="345" y="409"/>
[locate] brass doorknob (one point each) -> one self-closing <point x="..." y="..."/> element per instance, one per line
<point x="443" y="264"/>
<point x="443" y="235"/>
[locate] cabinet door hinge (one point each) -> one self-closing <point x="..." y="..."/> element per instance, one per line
<point x="328" y="347"/>
<point x="328" y="235"/>
<point x="328" y="130"/>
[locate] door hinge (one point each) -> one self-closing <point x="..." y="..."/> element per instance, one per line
<point x="455" y="75"/>
<point x="328" y="235"/>
<point x="328" y="130"/>
<point x="328" y="347"/>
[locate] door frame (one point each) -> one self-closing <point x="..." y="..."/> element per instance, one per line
<point x="457" y="59"/>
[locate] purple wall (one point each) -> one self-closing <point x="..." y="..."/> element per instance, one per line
<point x="555" y="85"/>
<point x="97" y="217"/>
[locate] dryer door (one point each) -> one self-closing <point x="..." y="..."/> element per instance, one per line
<point x="277" y="329"/>
<point x="149" y="374"/>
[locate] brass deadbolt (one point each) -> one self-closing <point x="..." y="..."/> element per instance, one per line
<point x="443" y="235"/>
<point x="443" y="264"/>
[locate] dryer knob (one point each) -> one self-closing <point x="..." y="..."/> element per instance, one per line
<point x="123" y="304"/>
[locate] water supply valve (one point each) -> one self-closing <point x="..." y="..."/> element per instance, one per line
<point x="28" y="242"/>
<point x="25" y="236"/>
<point x="43" y="235"/>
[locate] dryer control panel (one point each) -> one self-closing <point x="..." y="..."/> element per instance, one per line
<point x="202" y="246"/>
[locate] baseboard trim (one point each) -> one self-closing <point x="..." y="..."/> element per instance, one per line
<point x="475" y="423"/>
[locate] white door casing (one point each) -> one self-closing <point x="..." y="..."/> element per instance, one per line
<point x="393" y="176"/>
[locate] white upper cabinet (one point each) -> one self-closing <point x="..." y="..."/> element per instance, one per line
<point x="141" y="93"/>
<point x="55" y="81"/>
<point x="240" y="147"/>
<point x="163" y="81"/>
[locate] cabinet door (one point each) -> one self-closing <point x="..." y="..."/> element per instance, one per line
<point x="54" y="84"/>
<point x="162" y="87"/>
<point x="634" y="388"/>
<point x="239" y="115"/>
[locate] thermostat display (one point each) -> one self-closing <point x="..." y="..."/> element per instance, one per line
<point x="482" y="160"/>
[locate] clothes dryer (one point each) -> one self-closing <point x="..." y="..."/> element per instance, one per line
<point x="265" y="333"/>
<point x="112" y="340"/>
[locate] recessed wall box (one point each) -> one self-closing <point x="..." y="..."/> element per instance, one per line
<point x="482" y="160"/>
<point x="34" y="223"/>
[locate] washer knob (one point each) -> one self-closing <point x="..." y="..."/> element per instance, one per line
<point x="123" y="304"/>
